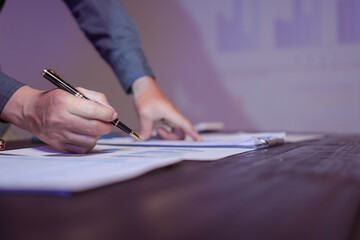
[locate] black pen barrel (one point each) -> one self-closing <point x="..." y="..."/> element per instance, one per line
<point x="122" y="126"/>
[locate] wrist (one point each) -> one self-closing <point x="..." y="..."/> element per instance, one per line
<point x="141" y="85"/>
<point x="17" y="108"/>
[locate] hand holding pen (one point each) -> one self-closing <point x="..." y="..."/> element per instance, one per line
<point x="54" y="78"/>
<point x="59" y="119"/>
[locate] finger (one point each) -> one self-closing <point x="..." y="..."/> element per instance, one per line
<point x="173" y="135"/>
<point x="189" y="130"/>
<point x="88" y="127"/>
<point x="91" y="110"/>
<point x="95" y="96"/>
<point x="78" y="143"/>
<point x="63" y="141"/>
<point x="146" y="125"/>
<point x="184" y="125"/>
<point x="76" y="149"/>
<point x="80" y="140"/>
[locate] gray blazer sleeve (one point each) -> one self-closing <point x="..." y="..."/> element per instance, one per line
<point x="7" y="88"/>
<point x="114" y="34"/>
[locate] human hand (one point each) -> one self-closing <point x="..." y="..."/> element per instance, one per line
<point x="152" y="105"/>
<point x="60" y="119"/>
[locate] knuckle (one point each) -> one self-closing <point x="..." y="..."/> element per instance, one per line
<point x="58" y="97"/>
<point x="102" y="97"/>
<point x="91" y="130"/>
<point x="53" y="119"/>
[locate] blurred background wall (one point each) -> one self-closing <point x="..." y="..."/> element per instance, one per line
<point x="289" y="65"/>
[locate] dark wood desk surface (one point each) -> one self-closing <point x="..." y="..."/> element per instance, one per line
<point x="308" y="190"/>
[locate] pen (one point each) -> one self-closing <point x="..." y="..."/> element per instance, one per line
<point x="53" y="77"/>
<point x="266" y="142"/>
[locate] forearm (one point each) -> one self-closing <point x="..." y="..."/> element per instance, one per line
<point x="114" y="34"/>
<point x="8" y="87"/>
<point x="15" y="109"/>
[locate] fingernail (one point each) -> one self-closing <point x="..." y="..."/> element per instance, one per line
<point x="115" y="115"/>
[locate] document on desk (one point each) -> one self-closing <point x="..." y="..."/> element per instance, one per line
<point x="47" y="171"/>
<point x="103" y="151"/>
<point x="62" y="175"/>
<point x="42" y="169"/>
<point x="213" y="147"/>
<point x="216" y="140"/>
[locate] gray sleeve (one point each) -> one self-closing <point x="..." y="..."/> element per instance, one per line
<point x="8" y="86"/>
<point x="114" y="34"/>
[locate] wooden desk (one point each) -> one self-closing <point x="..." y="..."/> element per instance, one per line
<point x="308" y="190"/>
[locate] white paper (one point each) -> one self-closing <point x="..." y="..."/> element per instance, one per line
<point x="71" y="174"/>
<point x="46" y="170"/>
<point x="186" y="153"/>
<point x="241" y="140"/>
<point x="148" y="152"/>
<point x="113" y="160"/>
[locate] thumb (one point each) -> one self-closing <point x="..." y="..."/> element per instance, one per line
<point x="146" y="125"/>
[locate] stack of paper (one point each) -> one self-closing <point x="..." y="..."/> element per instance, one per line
<point x="114" y="159"/>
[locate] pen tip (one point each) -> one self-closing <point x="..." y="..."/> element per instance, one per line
<point x="134" y="135"/>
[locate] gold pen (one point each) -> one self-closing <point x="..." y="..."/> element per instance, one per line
<point x="53" y="77"/>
